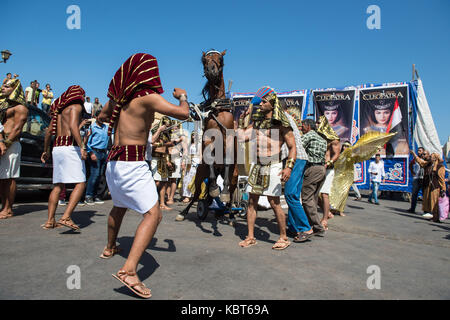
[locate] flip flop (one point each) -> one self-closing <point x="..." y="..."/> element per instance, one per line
<point x="302" y="237"/>
<point x="123" y="274"/>
<point x="112" y="252"/>
<point x="248" y="242"/>
<point x="48" y="226"/>
<point x="281" y="244"/>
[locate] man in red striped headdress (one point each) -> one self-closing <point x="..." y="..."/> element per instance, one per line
<point x="69" y="153"/>
<point x="134" y="94"/>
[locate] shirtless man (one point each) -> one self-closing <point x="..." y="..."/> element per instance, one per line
<point x="331" y="155"/>
<point x="160" y="162"/>
<point x="69" y="153"/>
<point x="267" y="174"/>
<point x="131" y="109"/>
<point x="176" y="156"/>
<point x="13" y="116"/>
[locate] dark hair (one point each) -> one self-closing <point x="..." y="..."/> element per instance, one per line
<point x="310" y="122"/>
<point x="421" y="148"/>
<point x="8" y="73"/>
<point x="377" y="155"/>
<point x="47" y="84"/>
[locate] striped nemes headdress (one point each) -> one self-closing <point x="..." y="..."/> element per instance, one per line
<point x="136" y="77"/>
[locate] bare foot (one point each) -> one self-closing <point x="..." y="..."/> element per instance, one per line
<point x="330" y="215"/>
<point x="186" y="200"/>
<point x="164" y="207"/>
<point x="324" y="223"/>
<point x="342" y="214"/>
<point x="170" y="201"/>
<point x="6" y="215"/>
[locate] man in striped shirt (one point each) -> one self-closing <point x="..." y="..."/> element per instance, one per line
<point x="316" y="148"/>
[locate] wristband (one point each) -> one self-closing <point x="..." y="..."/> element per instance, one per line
<point x="290" y="163"/>
<point x="183" y="97"/>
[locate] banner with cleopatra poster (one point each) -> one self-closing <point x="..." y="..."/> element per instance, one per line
<point x="385" y="109"/>
<point x="294" y="100"/>
<point x="338" y="107"/>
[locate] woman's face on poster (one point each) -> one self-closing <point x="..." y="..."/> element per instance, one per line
<point x="331" y="116"/>
<point x="382" y="116"/>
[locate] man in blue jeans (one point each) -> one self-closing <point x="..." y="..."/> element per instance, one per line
<point x="297" y="221"/>
<point x="96" y="146"/>
<point x="417" y="172"/>
<point x="376" y="171"/>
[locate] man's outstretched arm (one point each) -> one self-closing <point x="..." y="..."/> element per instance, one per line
<point x="158" y="104"/>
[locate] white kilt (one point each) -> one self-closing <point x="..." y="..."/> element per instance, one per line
<point x="326" y="187"/>
<point x="10" y="162"/>
<point x="68" y="167"/>
<point x="154" y="169"/>
<point x="131" y="185"/>
<point x="274" y="188"/>
<point x="177" y="173"/>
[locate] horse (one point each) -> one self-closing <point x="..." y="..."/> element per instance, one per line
<point x="219" y="117"/>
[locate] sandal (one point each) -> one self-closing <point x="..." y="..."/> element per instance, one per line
<point x="302" y="237"/>
<point x="67" y="222"/>
<point x="122" y="275"/>
<point x="50" y="225"/>
<point x="281" y="244"/>
<point x="109" y="253"/>
<point x="248" y="242"/>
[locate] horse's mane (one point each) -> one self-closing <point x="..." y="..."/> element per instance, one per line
<point x="205" y="91"/>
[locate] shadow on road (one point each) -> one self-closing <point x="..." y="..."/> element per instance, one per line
<point x="403" y="213"/>
<point x="23" y="209"/>
<point x="241" y="230"/>
<point x="149" y="264"/>
<point x="209" y="219"/>
<point x="444" y="229"/>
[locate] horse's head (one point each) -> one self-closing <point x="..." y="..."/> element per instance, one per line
<point x="213" y="64"/>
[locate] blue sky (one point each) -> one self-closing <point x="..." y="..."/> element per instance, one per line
<point x="285" y="44"/>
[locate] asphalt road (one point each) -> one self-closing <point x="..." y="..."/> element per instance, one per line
<point x="202" y="260"/>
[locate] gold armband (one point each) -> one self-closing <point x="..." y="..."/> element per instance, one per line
<point x="290" y="163"/>
<point x="329" y="163"/>
<point x="8" y="143"/>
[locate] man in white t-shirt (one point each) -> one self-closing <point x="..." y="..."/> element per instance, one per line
<point x="377" y="174"/>
<point x="88" y="108"/>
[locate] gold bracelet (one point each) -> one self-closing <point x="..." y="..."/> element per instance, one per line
<point x="290" y="163"/>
